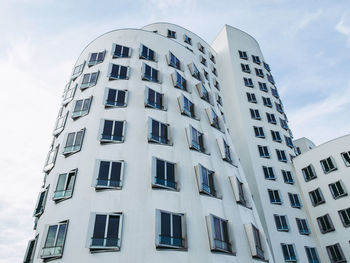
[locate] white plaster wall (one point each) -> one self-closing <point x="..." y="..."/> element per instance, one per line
<point x="304" y="144"/>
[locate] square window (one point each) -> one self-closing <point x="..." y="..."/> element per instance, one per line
<point x="171" y="34"/>
<point x="158" y="132"/>
<point x="248" y="82"/>
<point x="287" y="177"/>
<point x="119" y="51"/>
<point x="294" y="200"/>
<point x="259" y="132"/>
<point x="281" y="155"/>
<point x="77" y="70"/>
<point x="289" y="142"/>
<point x="164" y="174"/>
<point x="335" y="253"/>
<point x="118" y="72"/>
<point x="96" y="58"/>
<point x="81" y="108"/>
<point x="110" y="175"/>
<point x="218" y="234"/>
<point x="263" y="86"/>
<point x="255" y="115"/>
<point x="251" y="97"/>
<point x="256" y="59"/>
<point x="328" y="165"/>
<point x="55" y="238"/>
<point x="281" y="223"/>
<point x="74" y="142"/>
<point x="115" y="98"/>
<point x="289" y="252"/>
<point x="154" y="99"/>
<point x="196" y="139"/>
<point x="275" y="197"/>
<point x="259" y="72"/>
<point x="271" y="118"/>
<point x="146" y="53"/>
<point x="243" y="54"/>
<point x="338" y="189"/>
<point x="113" y="131"/>
<point x="316" y="197"/>
<point x="187" y="39"/>
<point x="65" y="186"/>
<point x="267" y="102"/>
<point x="309" y="173"/>
<point x="325" y="224"/>
<point x="269" y="173"/>
<point x="186" y="107"/>
<point x="263" y="151"/>
<point x="245" y="68"/>
<point x="149" y="73"/>
<point x="89" y="80"/>
<point x="276" y="137"/>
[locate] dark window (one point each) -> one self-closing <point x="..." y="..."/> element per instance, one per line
<point x="212" y="58"/>
<point x="275" y="197"/>
<point x="201" y="48"/>
<point x="89" y="80"/>
<point x="325" y="224"/>
<point x="74" y="142"/>
<point x="279" y="107"/>
<point x="281" y="155"/>
<point x="96" y="58"/>
<point x="338" y="190"/>
<point x="312" y="255"/>
<point x="154" y="99"/>
<point x="289" y="142"/>
<point x="171" y="34"/>
<point x="164" y="176"/>
<point x="328" y="165"/>
<point x="187" y="107"/>
<point x="309" y="173"/>
<point x="303" y="226"/>
<point x="187" y="39"/>
<point x="294" y="200"/>
<point x="195" y="72"/>
<point x="245" y="68"/>
<point x="248" y="82"/>
<point x="267" y="102"/>
<point x="170" y="230"/>
<point x="259" y="132"/>
<point x="276" y="136"/>
<point x="289" y="252"/>
<point x="149" y="73"/>
<point x="271" y="118"/>
<point x="109" y="175"/>
<point x="259" y="72"/>
<point x="266" y="66"/>
<point x="263" y="86"/>
<point x="174" y="61"/>
<point x="269" y="173"/>
<point x="346" y="157"/>
<point x="65" y="185"/>
<point x="219" y="234"/>
<point x="53" y="247"/>
<point x="196" y="140"/>
<point x="335" y="253"/>
<point x="119" y="51"/>
<point x="40" y="204"/>
<point x="345" y="216"/>
<point x="281" y="223"/>
<point x="256" y="59"/>
<point x="263" y="151"/>
<point x="180" y="82"/>
<point x="113" y="131"/>
<point x="254" y="113"/>
<point x="287" y="177"/>
<point x="203" y="60"/>
<point x="29" y="255"/>
<point x="316" y="197"/>
<point x="203" y="92"/>
<point x="81" y="108"/>
<point x="275" y="93"/>
<point x="146" y="53"/>
<point x="243" y="54"/>
<point x="158" y="132"/>
<point x="206" y="179"/>
<point x="116" y="98"/>
<point x="284" y="124"/>
<point x="251" y="97"/>
<point x="117" y="72"/>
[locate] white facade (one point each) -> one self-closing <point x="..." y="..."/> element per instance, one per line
<point x="303" y="145"/>
<point x="121" y="215"/>
<point x="326" y="169"/>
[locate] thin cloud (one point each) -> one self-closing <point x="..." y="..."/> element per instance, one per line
<point x="344" y="28"/>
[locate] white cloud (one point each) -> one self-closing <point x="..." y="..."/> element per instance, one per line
<point x="305" y="21"/>
<point x="343" y="27"/>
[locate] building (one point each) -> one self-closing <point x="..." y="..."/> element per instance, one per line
<point x="303" y="145"/>
<point x="141" y="166"/>
<point x="323" y="176"/>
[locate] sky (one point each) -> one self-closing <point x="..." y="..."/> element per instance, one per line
<point x="306" y="43"/>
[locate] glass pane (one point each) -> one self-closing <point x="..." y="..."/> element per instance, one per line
<point x="118" y="50"/>
<point x="125" y="52"/>
<point x="107" y="129"/>
<point x="151" y="96"/>
<point x="121" y="98"/>
<point x="115" y="70"/>
<point x="115" y="174"/>
<point x="217" y="229"/>
<point x="51" y="234"/>
<point x="99" y="230"/>
<point x="61" y="182"/>
<point x="70" y="181"/>
<point x="155" y="129"/>
<point x="70" y="139"/>
<point x="78" y="105"/>
<point x="86" y="104"/>
<point x="111" y="96"/>
<point x="61" y="235"/>
<point x="79" y="138"/>
<point x="165" y="224"/>
<point x="118" y="130"/>
<point x="177" y="230"/>
<point x="103" y="173"/>
<point x="93" y="57"/>
<point x="123" y="72"/>
<point x="100" y="56"/>
<point x="164" y="132"/>
<point x="160" y="169"/>
<point x="112" y="231"/>
<point x="170" y="173"/>
<point x="93" y="78"/>
<point x="86" y="78"/>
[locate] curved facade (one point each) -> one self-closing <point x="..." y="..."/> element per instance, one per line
<point x="141" y="167"/>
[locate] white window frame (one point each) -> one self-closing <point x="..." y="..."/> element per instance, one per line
<point x="60" y="123"/>
<point x="181" y="84"/>
<point x="327" y="163"/>
<point x="155" y="184"/>
<point x="57" y="251"/>
<point x="114" y="46"/>
<point x="209" y="190"/>
<point x="177" y="64"/>
<point x="190" y="140"/>
<point x="77" y="70"/>
<point x="153" y="140"/>
<point x="71" y="149"/>
<point x="105" y="140"/>
<point x="289" y="258"/>
<point x="275" y="200"/>
<point x="68" y="93"/>
<point x="224" y="246"/>
<point x="95" y="62"/>
<point x="257" y="247"/>
<point x="195" y="71"/>
<point x="89" y="84"/>
<point x="184" y="111"/>
<point x="149" y="51"/>
<point x="81" y="112"/>
<point x="99" y="187"/>
<point x="115" y="105"/>
<point x="118" y="76"/>
<point x="225" y="150"/>
<point x="148" y="104"/>
<point x="200" y="86"/>
<point x="73" y="174"/>
<point x="154" y="72"/>
<point x="51" y="158"/>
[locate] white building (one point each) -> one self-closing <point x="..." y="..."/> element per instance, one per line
<point x="303" y="145"/>
<point x="323" y="174"/>
<point x="141" y="166"/>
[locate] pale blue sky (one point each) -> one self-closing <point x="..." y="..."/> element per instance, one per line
<point x="307" y="44"/>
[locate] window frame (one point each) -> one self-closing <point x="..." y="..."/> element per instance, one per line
<point x="157" y="185"/>
<point x="120" y="70"/>
<point x="255" y="114"/>
<point x="204" y="95"/>
<point x="41" y="202"/>
<point x="155" y="105"/>
<point x="80" y="69"/>
<point x="208" y="189"/>
<point x="339" y="251"/>
<point x="281" y="156"/>
<point x="346" y="158"/>
<point x="97" y="61"/>
<point x="312" y="254"/>
<point x="288" y="177"/>
<point x="243" y="54"/>
<point x="340" y="187"/>
<point x="89" y="84"/>
<point x="248" y="82"/>
<point x="108" y="186"/>
<point x="294" y="200"/>
<point x="275" y="199"/>
<point x="327" y="163"/>
<point x="108" y="141"/>
<point x="319" y="195"/>
<point x="308" y="170"/>
<point x="289" y="257"/>
<point x="345" y="219"/>
<point x="264" y="151"/>
<point x="171" y="34"/>
<point x="74" y="173"/>
<point x="51" y="155"/>
<point x="114" y="48"/>
<point x="325" y="224"/>
<point x="77" y="114"/>
<point x="303" y="226"/>
<point x="281" y="222"/>
<point x="211" y="231"/>
<point x="175" y="64"/>
<point x="179" y="81"/>
<point x="30" y="250"/>
<point x="259" y="132"/>
<point x="183" y="102"/>
<point x="68" y="93"/>
<point x="268" y="171"/>
<point x="116" y="103"/>
<point x="168" y="132"/>
<point x="150" y="54"/>
<point x="74" y="148"/>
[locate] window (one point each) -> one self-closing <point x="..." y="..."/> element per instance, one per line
<point x="163" y="174"/>
<point x="256" y="59"/>
<point x="40" y="204"/>
<point x="201" y="48"/>
<point x="96" y="58"/>
<point x="259" y="132"/>
<point x="179" y="81"/>
<point x="294" y="200"/>
<point x="248" y="82"/>
<point x="225" y="151"/>
<point x="119" y="51"/>
<point x="254" y="113"/>
<point x="279" y="107"/>
<point x="218" y="234"/>
<point x="284" y="124"/>
<point x="216" y="84"/>
<point x="171" y="34"/>
<point x="77" y="70"/>
<point x="203" y="60"/>
<point x="338" y="189"/>
<point x="89" y="80"/>
<point x="275" y="93"/>
<point x="325" y="223"/>
<point x="245" y="68"/>
<point x="309" y="173"/>
<point x="107" y="232"/>
<point x="214" y="71"/>
<point x="281" y="155"/>
<point x="60" y="122"/>
<point x="271" y="118"/>
<point x="289" y="142"/>
<point x="243" y="54"/>
<point x="29" y="255"/>
<point x="212" y="58"/>
<point x="312" y="255"/>
<point x="203" y="92"/>
<point x="275" y="197"/>
<point x="328" y="165"/>
<point x="259" y="72"/>
<point x="154" y="99"/>
<point x="218" y="99"/>
<point x="174" y="61"/>
<point x="54" y="244"/>
<point x="81" y="108"/>
<point x="186" y="107"/>
<point x="255" y="241"/>
<point x="269" y="173"/>
<point x="345" y="216"/>
<point x="68" y="93"/>
<point x="74" y="142"/>
<point x="188" y="40"/>
<point x="281" y="223"/>
<point x="170" y="230"/>
<point x="206" y="75"/>
<point x="118" y="72"/>
<point x="270" y="79"/>
<point x="65" y="185"/>
<point x="251" y="97"/>
<point x="213" y="118"/>
<point x="263" y="151"/>
<point x="113" y="131"/>
<point x="316" y="197"/>
<point x="289" y="252"/>
<point x="146" y="53"/>
<point x="194" y="71"/>
<point x="266" y="66"/>
<point x="346" y="158"/>
<point x="158" y="132"/>
<point x="335" y="253"/>
<point x="196" y="140"/>
<point x="51" y="158"/>
<point x="276" y="136"/>
<point x="110" y="175"/>
<point x="205" y="179"/>
<point x="303" y="226"/>
<point x="115" y="98"/>
<point x="287" y="177"/>
<point x="263" y="86"/>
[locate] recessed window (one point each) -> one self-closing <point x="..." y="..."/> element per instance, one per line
<point x="118" y="72"/>
<point x="146" y="53"/>
<point x="255" y="115"/>
<point x="186" y="107"/>
<point x="248" y="82"/>
<point x="316" y="197"/>
<point x="303" y="226"/>
<point x="68" y="93"/>
<point x="196" y="139"/>
<point x="243" y="54"/>
<point x="225" y="150"/>
<point x="245" y="68"/>
<point x="287" y="177"/>
<point x="289" y="142"/>
<point x="158" y="132"/>
<point x="206" y="75"/>
<point x="279" y="107"/>
<point x="275" y="93"/>
<point x="51" y="158"/>
<point x="284" y="124"/>
<point x="107" y="232"/>
<point x="205" y="179"/>
<point x="203" y="60"/>
<point x="213" y="118"/>
<point x="60" y="122"/>
<point x="309" y="173"/>
<point x="251" y="97"/>
<point x="110" y="175"/>
<point x="345" y="216"/>
<point x="289" y="252"/>
<point x="267" y="102"/>
<point x="30" y="252"/>
<point x="269" y="173"/>
<point x="171" y="34"/>
<point x="74" y="142"/>
<point x="119" y="51"/>
<point x="201" y="48"/>
<point x="40" y="204"/>
<point x="275" y="197"/>
<point x="81" y="108"/>
<point x="78" y="70"/>
<point x="271" y="118"/>
<point x="113" y="131"/>
<point x="154" y="99"/>
<point x="255" y="241"/>
<point x="203" y="92"/>
<point x="328" y="165"/>
<point x="270" y="79"/>
<point x="281" y="223"/>
<point x="174" y="61"/>
<point x="218" y="99"/>
<point x="55" y="238"/>
<point x="218" y="234"/>
<point x="312" y="255"/>
<point x="89" y="80"/>
<point x="266" y="66"/>
<point x="96" y="58"/>
<point x="194" y="71"/>
<point x="294" y="200"/>
<point x="281" y="155"/>
<point x="325" y="224"/>
<point x="259" y="72"/>
<point x="263" y="86"/>
<point x="346" y="158"/>
<point x="335" y="253"/>
<point x="241" y="193"/>
<point x="256" y="59"/>
<point x="259" y="132"/>
<point x="212" y="58"/>
<point x="338" y="189"/>
<point x="115" y="98"/>
<point x="276" y="136"/>
<point x="216" y="84"/>
<point x="179" y="81"/>
<point x="149" y="73"/>
<point x="213" y="70"/>
<point x="170" y="230"/>
<point x="65" y="186"/>
<point x="263" y="151"/>
<point x="188" y="40"/>
<point x="163" y="173"/>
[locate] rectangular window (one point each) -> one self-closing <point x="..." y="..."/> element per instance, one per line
<point x="216" y="84"/>
<point x="256" y="59"/>
<point x="270" y="79"/>
<point x="316" y="197"/>
<point x="218" y="234"/>
<point x="29" y="255"/>
<point x="312" y="255"/>
<point x="254" y="113"/>
<point x="154" y="99"/>
<point x="188" y="40"/>
<point x="287" y="177"/>
<point x="119" y="51"/>
<point x="284" y="124"/>
<point x="146" y="53"/>
<point x="328" y="165"/>
<point x="96" y="58"/>
<point x="107" y="232"/>
<point x="338" y="189"/>
<point x="248" y="82"/>
<point x="205" y="179"/>
<point x="81" y="108"/>
<point x="65" y="186"/>
<point x="281" y="223"/>
<point x="116" y="71"/>
<point x="77" y="70"/>
<point x="171" y="34"/>
<point x="309" y="173"/>
<point x="259" y="252"/>
<point x="179" y="81"/>
<point x="303" y="226"/>
<point x="225" y="151"/>
<point x="186" y="107"/>
<point x="201" y="48"/>
<point x="164" y="174"/>
<point x="335" y="253"/>
<point x="289" y="142"/>
<point x="174" y="61"/>
<point x="271" y="118"/>
<point x="263" y="151"/>
<point x="345" y="216"/>
<point x="281" y="155"/>
<point x="245" y="68"/>
<point x="213" y="118"/>
<point x="259" y="132"/>
<point x="275" y="197"/>
<point x="259" y="72"/>
<point x="279" y="107"/>
<point x="294" y="200"/>
<point x="214" y="71"/>
<point x="346" y="158"/>
<point x="194" y="71"/>
<point x="263" y="86"/>
<point x="170" y="230"/>
<point x="266" y="66"/>
<point x="110" y="175"/>
<point x="113" y="131"/>
<point x="68" y="93"/>
<point x="115" y="98"/>
<point x="158" y="132"/>
<point x="51" y="159"/>
<point x="325" y="224"/>
<point x="89" y="80"/>
<point x="276" y="136"/>
<point x="74" y="142"/>
<point x="243" y="54"/>
<point x="54" y="244"/>
<point x="269" y="173"/>
<point x="203" y="60"/>
<point x="60" y="122"/>
<point x="289" y="252"/>
<point x="275" y="93"/>
<point x="196" y="140"/>
<point x="212" y="58"/>
<point x="40" y="204"/>
<point x="203" y="92"/>
<point x="251" y="97"/>
<point x="267" y="102"/>
<point x="149" y="73"/>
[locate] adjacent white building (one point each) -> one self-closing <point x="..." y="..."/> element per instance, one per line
<point x="142" y="167"/>
<point x="323" y="174"/>
<point x="303" y="145"/>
